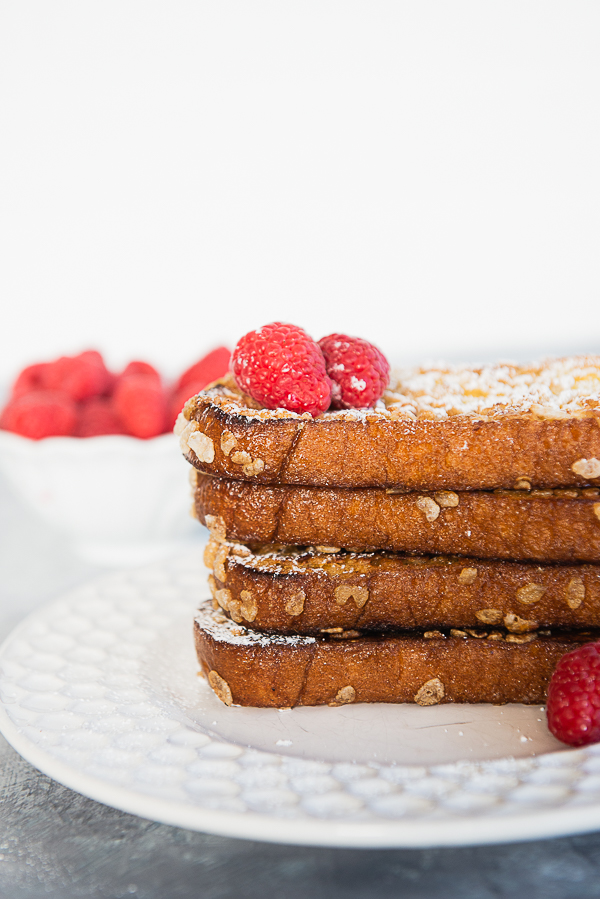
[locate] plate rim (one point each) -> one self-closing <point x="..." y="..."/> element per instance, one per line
<point x="407" y="834"/>
<point x="459" y="830"/>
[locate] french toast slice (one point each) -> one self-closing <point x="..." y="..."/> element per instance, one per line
<point x="290" y="590"/>
<point x="457" y="428"/>
<point x="560" y="525"/>
<point x="248" y="668"/>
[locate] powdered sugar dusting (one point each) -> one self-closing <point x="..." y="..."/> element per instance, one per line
<point x="285" y="560"/>
<point x="232" y="403"/>
<point x="551" y="388"/>
<point x="224" y="630"/>
<point x="568" y="384"/>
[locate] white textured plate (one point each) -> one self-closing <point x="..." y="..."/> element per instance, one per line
<point x="100" y="690"/>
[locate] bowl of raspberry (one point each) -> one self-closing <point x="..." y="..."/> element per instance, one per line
<point x="94" y="454"/>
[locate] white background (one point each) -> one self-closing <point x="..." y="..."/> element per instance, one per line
<point x="424" y="174"/>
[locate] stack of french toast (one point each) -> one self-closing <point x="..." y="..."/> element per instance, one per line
<point x="443" y="546"/>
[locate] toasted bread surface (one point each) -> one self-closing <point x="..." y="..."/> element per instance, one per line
<point x="295" y="591"/>
<point x="549" y="526"/>
<point x="445" y="428"/>
<point x="247" y="668"/>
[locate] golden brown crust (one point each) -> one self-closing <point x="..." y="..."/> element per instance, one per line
<point x="379" y="669"/>
<point x="374" y="449"/>
<point x="559" y="527"/>
<point x="291" y="592"/>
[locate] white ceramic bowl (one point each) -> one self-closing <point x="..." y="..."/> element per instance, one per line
<point x="119" y="500"/>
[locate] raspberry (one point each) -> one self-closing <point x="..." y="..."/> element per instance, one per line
<point x="31" y="378"/>
<point x="96" y="417"/>
<point x="79" y="376"/>
<point x="573" y="706"/>
<point x="41" y="413"/>
<point x="140" y="368"/>
<point x="212" y="366"/>
<point x="359" y="371"/>
<point x="180" y="397"/>
<point x="140" y="403"/>
<point x="281" y="366"/>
